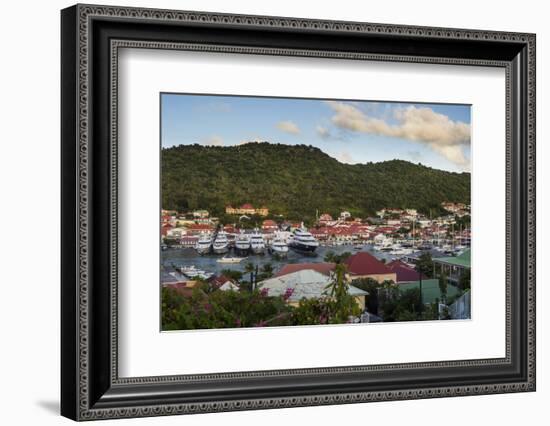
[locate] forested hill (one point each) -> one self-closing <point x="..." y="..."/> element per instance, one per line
<point x="296" y="180"/>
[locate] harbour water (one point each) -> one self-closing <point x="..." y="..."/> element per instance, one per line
<point x="181" y="257"/>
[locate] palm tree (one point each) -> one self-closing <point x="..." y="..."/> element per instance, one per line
<point x="268" y="269"/>
<point x="249" y="268"/>
<point x="329" y="256"/>
<point x="338" y="286"/>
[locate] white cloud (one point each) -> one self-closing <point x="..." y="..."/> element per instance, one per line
<point x="323" y="132"/>
<point x="344" y="157"/>
<point x="423" y="125"/>
<point x="213" y="141"/>
<point x="288" y="127"/>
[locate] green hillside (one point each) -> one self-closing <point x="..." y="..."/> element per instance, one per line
<point x="296" y="180"/>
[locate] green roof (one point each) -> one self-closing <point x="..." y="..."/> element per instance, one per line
<point x="462" y="260"/>
<point x="430" y="289"/>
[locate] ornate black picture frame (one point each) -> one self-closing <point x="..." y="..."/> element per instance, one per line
<point x="91" y="36"/>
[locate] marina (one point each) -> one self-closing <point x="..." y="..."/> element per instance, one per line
<point x="181" y="258"/>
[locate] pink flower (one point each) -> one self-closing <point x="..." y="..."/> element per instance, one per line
<point x="264" y="292"/>
<point x="288" y="293"/>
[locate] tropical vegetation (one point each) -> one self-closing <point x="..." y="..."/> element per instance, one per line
<point x="296" y="181"/>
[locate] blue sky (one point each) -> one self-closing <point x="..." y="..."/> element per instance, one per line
<point x="436" y="135"/>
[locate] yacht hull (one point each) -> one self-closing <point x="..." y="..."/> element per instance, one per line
<point x="221" y="250"/>
<point x="304" y="248"/>
<point x="242" y="251"/>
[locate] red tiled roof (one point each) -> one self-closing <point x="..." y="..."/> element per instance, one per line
<point x="319" y="231"/>
<point x="199" y="226"/>
<point x="403" y="271"/>
<point x="342" y="231"/>
<point x="219" y="281"/>
<point x="247" y="206"/>
<point x="364" y="263"/>
<point x="269" y="222"/>
<point x="323" y="268"/>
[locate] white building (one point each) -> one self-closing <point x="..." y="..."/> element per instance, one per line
<point x="305" y="284"/>
<point x="345" y="215"/>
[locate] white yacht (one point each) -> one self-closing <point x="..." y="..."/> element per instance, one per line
<point x="302" y="240"/>
<point x="242" y="244"/>
<point x="279" y="246"/>
<point x="193" y="272"/>
<point x="257" y="243"/>
<point x="383" y="243"/>
<point x="227" y="259"/>
<point x="204" y="243"/>
<point x="221" y="243"/>
<point x="400" y="250"/>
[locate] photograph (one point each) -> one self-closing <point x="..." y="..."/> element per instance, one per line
<point x="269" y="208"/>
<point x="295" y="212"/>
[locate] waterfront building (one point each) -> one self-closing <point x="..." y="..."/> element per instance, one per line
<point x="365" y="265"/>
<point x="189" y="241"/>
<point x="326" y="220"/>
<point x="198" y="228"/>
<point x="343" y="235"/>
<point x="306" y="284"/>
<point x="320" y="234"/>
<point x="269" y="225"/>
<point x="345" y="215"/>
<point x="176" y="232"/>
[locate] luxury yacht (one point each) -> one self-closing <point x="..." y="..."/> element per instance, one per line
<point x="242" y="244"/>
<point x="303" y="241"/>
<point x="204" y="243"/>
<point x="257" y="243"/>
<point x="221" y="244"/>
<point x="279" y="246"/>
